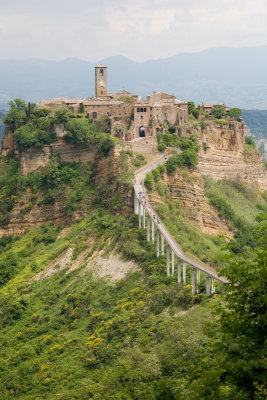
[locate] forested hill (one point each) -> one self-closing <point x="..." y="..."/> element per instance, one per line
<point x="256" y="120"/>
<point x="211" y="75"/>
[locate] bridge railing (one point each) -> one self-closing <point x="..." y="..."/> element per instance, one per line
<point x="149" y="219"/>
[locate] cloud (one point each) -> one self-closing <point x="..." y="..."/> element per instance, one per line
<point x="140" y="30"/>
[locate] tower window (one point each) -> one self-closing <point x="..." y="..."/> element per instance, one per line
<point x="142" y="110"/>
<point x="101" y="72"/>
<point x="145" y="109"/>
<point x="138" y="109"/>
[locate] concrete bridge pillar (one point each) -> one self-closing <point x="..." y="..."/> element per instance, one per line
<point x="212" y="285"/>
<point x="148" y="228"/>
<point x="153" y="231"/>
<point x="179" y="270"/>
<point x="135" y="204"/>
<point x="144" y="217"/>
<point x="157" y="243"/>
<point x="198" y="280"/>
<point x="168" y="259"/>
<point x="207" y="284"/>
<point x="184" y="272"/>
<point x="193" y="280"/>
<point x="172" y="262"/>
<point x="162" y="244"/>
<point x="139" y="215"/>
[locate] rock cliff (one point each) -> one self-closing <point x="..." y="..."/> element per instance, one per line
<point x="187" y="188"/>
<point x="223" y="156"/>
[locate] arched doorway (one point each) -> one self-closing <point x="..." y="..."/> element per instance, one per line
<point x="142" y="131"/>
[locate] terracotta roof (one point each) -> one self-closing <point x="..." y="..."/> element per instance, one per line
<point x="102" y="103"/>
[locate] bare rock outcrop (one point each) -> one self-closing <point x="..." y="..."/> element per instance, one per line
<point x="188" y="190"/>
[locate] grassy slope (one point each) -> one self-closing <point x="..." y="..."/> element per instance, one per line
<point x="76" y="336"/>
<point x="245" y="203"/>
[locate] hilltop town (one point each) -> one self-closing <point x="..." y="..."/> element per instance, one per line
<point x="130" y="115"/>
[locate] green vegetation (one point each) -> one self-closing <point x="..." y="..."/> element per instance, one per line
<point x="126" y="99"/>
<point x="235" y="113"/>
<point x="76" y="336"/>
<point x="250" y="148"/>
<point x="103" y="124"/>
<point x="79" y="131"/>
<point x="218" y="112"/>
<point x="193" y="110"/>
<point x="188" y="157"/>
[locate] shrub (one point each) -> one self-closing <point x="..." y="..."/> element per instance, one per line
<point x="190" y="158"/>
<point x="106" y="145"/>
<point x="156" y="174"/>
<point x="103" y="124"/>
<point x="161" y="146"/>
<point x="79" y="131"/>
<point x="148" y="182"/>
<point x="171" y="165"/>
<point x="203" y="125"/>
<point x="249" y="141"/>
<point x="62" y="114"/>
<point x="222" y="121"/>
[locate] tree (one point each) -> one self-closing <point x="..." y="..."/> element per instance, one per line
<point x="239" y="366"/>
<point x="79" y="131"/>
<point x="191" y="107"/>
<point x="106" y="145"/>
<point x="16" y="114"/>
<point x="81" y="108"/>
<point x="149" y="182"/>
<point x="235" y="113"/>
<point x="103" y="124"/>
<point x="63" y="114"/>
<point x="218" y="111"/>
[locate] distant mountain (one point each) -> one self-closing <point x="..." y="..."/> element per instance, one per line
<point x="234" y="76"/>
<point x="256" y="120"/>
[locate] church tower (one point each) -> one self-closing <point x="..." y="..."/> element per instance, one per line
<point x="101" y="80"/>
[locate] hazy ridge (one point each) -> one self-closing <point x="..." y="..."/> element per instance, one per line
<point x="229" y="75"/>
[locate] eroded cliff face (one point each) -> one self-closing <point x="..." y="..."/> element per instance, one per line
<point x="187" y="188"/>
<point x="224" y="155"/>
<point x="29" y="212"/>
<point x="35" y="158"/>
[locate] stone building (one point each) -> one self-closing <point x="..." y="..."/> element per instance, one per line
<point x="131" y="116"/>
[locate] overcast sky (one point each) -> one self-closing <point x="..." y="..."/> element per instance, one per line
<point x="138" y="29"/>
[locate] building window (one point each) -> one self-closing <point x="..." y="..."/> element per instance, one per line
<point x="145" y="109"/>
<point x="138" y="109"/>
<point x="142" y="117"/>
<point x="101" y="72"/>
<point x="102" y="92"/>
<point x="150" y="108"/>
<point x="142" y="110"/>
<point x="94" y="115"/>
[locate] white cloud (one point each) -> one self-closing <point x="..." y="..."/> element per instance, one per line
<point x="140" y="30"/>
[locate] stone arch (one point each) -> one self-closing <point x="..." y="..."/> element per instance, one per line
<point x="142" y="131"/>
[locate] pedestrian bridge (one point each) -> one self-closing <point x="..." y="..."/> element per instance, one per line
<point x="165" y="243"/>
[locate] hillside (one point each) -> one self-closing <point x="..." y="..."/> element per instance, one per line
<point x="214" y="75"/>
<point x="256" y="120"/>
<point x="87" y="311"/>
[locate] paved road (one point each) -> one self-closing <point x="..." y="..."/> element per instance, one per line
<point x="138" y="188"/>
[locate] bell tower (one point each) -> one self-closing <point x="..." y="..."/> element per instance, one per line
<point x="100" y="80"/>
